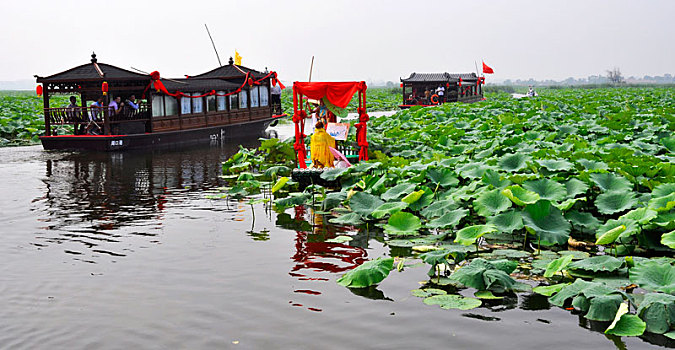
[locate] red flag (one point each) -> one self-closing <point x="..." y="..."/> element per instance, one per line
<point x="486" y="69"/>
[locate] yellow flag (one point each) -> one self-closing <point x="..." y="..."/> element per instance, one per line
<point x="237" y="58"/>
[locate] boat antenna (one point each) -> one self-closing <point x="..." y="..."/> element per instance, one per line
<point x="214" y="45"/>
<point x="311" y="67"/>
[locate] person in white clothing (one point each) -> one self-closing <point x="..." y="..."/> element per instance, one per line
<point x="440" y="91"/>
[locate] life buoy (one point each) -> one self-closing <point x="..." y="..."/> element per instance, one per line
<point x="434" y="99"/>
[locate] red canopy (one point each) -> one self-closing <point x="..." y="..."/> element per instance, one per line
<point x="339" y="93"/>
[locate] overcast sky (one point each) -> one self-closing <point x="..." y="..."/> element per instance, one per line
<point x="350" y="40"/>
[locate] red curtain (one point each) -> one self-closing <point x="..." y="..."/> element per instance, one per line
<point x="339" y="93"/>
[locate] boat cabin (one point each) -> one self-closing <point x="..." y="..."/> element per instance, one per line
<point x="420" y="89"/>
<point x="194" y="108"/>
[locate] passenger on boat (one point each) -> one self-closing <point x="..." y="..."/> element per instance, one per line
<point x="276" y="98"/>
<point x="319" y="146"/>
<point x="72" y="107"/>
<point x="440" y="91"/>
<point x="115" y="105"/>
<point x="321" y="112"/>
<point x="427" y="95"/>
<point x="131" y="102"/>
<point x="130" y="107"/>
<point x="96" y="109"/>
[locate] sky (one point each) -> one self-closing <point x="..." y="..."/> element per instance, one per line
<point x="369" y="40"/>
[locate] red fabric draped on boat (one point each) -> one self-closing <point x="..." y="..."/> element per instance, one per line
<point x="339" y="93"/>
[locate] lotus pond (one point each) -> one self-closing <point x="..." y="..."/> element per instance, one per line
<point x="570" y="196"/>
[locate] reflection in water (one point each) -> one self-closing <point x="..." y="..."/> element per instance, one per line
<point x="98" y="199"/>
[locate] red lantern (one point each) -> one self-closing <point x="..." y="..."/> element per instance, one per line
<point x="104" y="88"/>
<point x="38" y="90"/>
<point x="401" y="84"/>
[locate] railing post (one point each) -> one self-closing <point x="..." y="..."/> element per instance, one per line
<point x="48" y="126"/>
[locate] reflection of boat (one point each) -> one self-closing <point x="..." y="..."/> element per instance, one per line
<point x="226" y="102"/>
<point x="458" y="87"/>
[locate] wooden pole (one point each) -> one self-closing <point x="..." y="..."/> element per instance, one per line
<point x="214" y="45"/>
<point x="311" y="67"/>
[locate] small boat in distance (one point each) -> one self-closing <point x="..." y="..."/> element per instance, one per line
<point x="431" y="89"/>
<point x="227" y="102"/>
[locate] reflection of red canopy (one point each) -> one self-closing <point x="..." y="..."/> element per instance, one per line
<point x="338" y="93"/>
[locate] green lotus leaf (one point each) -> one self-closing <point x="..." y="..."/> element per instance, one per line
<point x="555" y="164"/>
<point x="604" y="307"/>
<point x="367" y="274"/>
<point x="353" y="219"/>
<point x="451" y="301"/>
<point x="655" y="275"/>
<point x="333" y="199"/>
<point x="546" y="189"/>
<point x="293" y="200"/>
<point x="662" y="204"/>
<point x="610" y="236"/>
<point x="547" y="223"/>
<point x="333" y="174"/>
<point x="363" y="203"/>
<point x="657" y="310"/>
<point x="425" y="293"/>
<point x="641" y="215"/>
<point x="568" y="203"/>
<point x="611" y="182"/>
<point x="388" y="208"/>
<point x="557" y="265"/>
<point x="402" y="223"/>
<point x="412" y="197"/>
<point x="339" y="239"/>
<point x="486" y="294"/>
<point x="468" y="235"/>
<point x="520" y="196"/>
<point x="575" y="187"/>
<point x="615" y="201"/>
<point x="488" y="275"/>
<point x="593" y="165"/>
<point x="669" y="143"/>
<point x="363" y="167"/>
<point x="665" y="219"/>
<point x="549" y="290"/>
<point x="274" y="171"/>
<point x="473" y="170"/>
<point x="438" y="208"/>
<point x="491" y="177"/>
<point x="507" y="222"/>
<point x="443" y="177"/>
<point x="450" y="218"/>
<point x="663" y="190"/>
<point x="490" y="203"/>
<point x="582" y="219"/>
<point x="513" y="162"/>
<point x="280" y="183"/>
<point x="398" y="191"/>
<point x="625" y="324"/>
<point x="424" y="201"/>
<point x="668" y="239"/>
<point x="400" y="243"/>
<point x="601" y="263"/>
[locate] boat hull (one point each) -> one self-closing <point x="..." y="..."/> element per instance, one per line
<point x="168" y="139"/>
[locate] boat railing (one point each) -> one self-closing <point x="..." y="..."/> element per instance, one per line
<point x="77" y="115"/>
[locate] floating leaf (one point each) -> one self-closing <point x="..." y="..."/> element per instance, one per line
<point x="546" y="189"/>
<point x="333" y="174"/>
<point x="388" y="209"/>
<point x="412" y="197"/>
<point x="424" y="293"/>
<point x="520" y="196"/>
<point x="547" y="223"/>
<point x="602" y="263"/>
<point x="353" y="219"/>
<point x="549" y="290"/>
<point x="557" y="265"/>
<point x="402" y="223"/>
<point x="655" y="275"/>
<point x="451" y="218"/>
<point x="367" y="274"/>
<point x="625" y="324"/>
<point x="555" y="164"/>
<point x="443" y="177"/>
<point x="468" y="235"/>
<point x="507" y="222"/>
<point x="614" y="201"/>
<point x="363" y="203"/>
<point x="658" y="312"/>
<point x="453" y="302"/>
<point x="490" y="203"/>
<point x="398" y="191"/>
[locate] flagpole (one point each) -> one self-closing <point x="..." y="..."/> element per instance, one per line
<point x="476" y="64"/>
<point x="214" y="45"/>
<point x="311" y="67"/>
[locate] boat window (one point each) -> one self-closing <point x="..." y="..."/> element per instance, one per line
<point x="157" y="105"/>
<point x="242" y="99"/>
<point x="254" y="96"/>
<point x="221" y="101"/>
<point x="234" y="101"/>
<point x="264" y="96"/>
<point x="170" y="105"/>
<point x="211" y="103"/>
<point x="185" y="106"/>
<point x="197" y="103"/>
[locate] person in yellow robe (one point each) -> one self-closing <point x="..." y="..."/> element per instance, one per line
<point x="321" y="155"/>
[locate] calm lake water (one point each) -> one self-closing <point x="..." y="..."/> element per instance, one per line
<point x="123" y="251"/>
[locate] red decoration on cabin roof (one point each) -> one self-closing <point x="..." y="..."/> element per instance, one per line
<point x="38" y="90"/>
<point x="339" y="93"/>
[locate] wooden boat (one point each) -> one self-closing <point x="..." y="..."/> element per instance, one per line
<point x="227" y="102"/>
<point x="459" y="87"/>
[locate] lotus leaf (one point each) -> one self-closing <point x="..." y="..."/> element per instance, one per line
<point x="655" y="275"/>
<point x="364" y="203"/>
<point x="555" y="164"/>
<point x="438" y="208"/>
<point x="468" y="235"/>
<point x="549" y="290"/>
<point x="450" y="218"/>
<point x="582" y="219"/>
<point x="402" y="223"/>
<point x="592" y="164"/>
<point x="669" y="143"/>
<point x="353" y="219"/>
<point x="293" y="200"/>
<point x="601" y="263"/>
<point x="611" y="182"/>
<point x="668" y="239"/>
<point x="442" y="177"/>
<point x="625" y="324"/>
<point x="520" y="196"/>
<point x="453" y="302"/>
<point x="398" y="191"/>
<point x="491" y="177"/>
<point x="657" y="310"/>
<point x="547" y="223"/>
<point x="388" y="209"/>
<point x="490" y="203"/>
<point x="641" y="215"/>
<point x="339" y="239"/>
<point x="610" y="236"/>
<point x="367" y="274"/>
<point x="280" y="184"/>
<point x="424" y="293"/>
<point x="663" y="190"/>
<point x="575" y="187"/>
<point x="615" y="201"/>
<point x="631" y="228"/>
<point x="507" y="222"/>
<point x="661" y="204"/>
<point x="488" y="275"/>
<point x="513" y="162"/>
<point x="546" y="189"/>
<point x="557" y="265"/>
<point x="412" y="197"/>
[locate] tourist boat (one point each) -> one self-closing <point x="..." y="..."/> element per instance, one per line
<point x="459" y="87"/>
<point x="227" y="102"/>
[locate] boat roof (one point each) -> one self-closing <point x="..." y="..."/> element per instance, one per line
<point x="439" y="77"/>
<point x="199" y="85"/>
<point x="93" y="71"/>
<point x="228" y="71"/>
